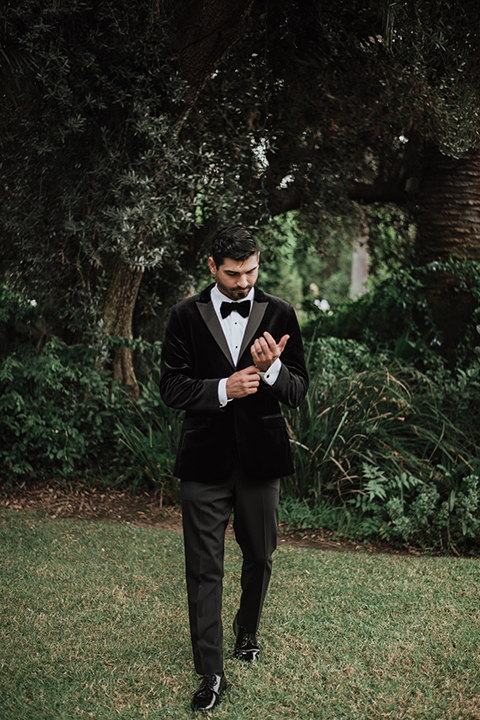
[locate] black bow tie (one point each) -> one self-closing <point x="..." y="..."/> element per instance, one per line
<point x="241" y="307"/>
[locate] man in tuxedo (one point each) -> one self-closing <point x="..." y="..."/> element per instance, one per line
<point x="231" y="354"/>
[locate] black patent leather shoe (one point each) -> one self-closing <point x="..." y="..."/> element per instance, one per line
<point x="208" y="694"/>
<point x="246" y="645"/>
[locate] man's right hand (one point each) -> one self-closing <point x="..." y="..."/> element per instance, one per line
<point x="244" y="382"/>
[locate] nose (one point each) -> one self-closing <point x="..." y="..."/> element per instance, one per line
<point x="243" y="282"/>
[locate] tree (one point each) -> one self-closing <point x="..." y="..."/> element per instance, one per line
<point x="370" y="104"/>
<point x="133" y="141"/>
<point x="98" y="179"/>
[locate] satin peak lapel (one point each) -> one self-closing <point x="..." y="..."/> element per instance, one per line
<point x="256" y="317"/>
<point x="212" y="322"/>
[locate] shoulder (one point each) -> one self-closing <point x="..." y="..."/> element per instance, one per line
<point x="189" y="304"/>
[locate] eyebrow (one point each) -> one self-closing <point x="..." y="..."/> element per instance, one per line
<point x="238" y="272"/>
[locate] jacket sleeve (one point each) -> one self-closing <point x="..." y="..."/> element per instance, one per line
<point x="178" y="386"/>
<point x="291" y="385"/>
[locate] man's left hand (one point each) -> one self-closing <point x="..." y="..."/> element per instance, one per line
<point x="265" y="350"/>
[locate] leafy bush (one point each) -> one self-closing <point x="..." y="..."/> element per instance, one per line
<point x="435" y="521"/>
<point x="379" y="317"/>
<point x="383" y="442"/>
<point x="62" y="418"/>
<point x="389" y="415"/>
<point x="56" y="411"/>
<point x="380" y="449"/>
<point x="396" y="316"/>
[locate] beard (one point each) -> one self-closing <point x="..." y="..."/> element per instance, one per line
<point x="234" y="293"/>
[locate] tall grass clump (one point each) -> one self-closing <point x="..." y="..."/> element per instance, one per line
<point x="150" y="436"/>
<point x="382" y="452"/>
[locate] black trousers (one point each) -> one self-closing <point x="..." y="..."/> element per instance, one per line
<point x="206" y="510"/>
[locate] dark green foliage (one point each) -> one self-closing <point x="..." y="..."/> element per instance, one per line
<point x="395" y="317"/>
<point x="61" y="418"/>
<point x="20" y="318"/>
<point x="302" y="267"/>
<point x="96" y="166"/>
<point x="391" y="235"/>
<point x="431" y="518"/>
<point x="381" y="450"/>
<point x="90" y="131"/>
<point x="386" y="415"/>
<point x="57" y="414"/>
<point x="376" y="445"/>
<point x="378" y="318"/>
<point x="150" y="433"/>
<point x="93" y="161"/>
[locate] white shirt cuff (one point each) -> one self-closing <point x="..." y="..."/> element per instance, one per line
<point x="271" y="375"/>
<point x="222" y="392"/>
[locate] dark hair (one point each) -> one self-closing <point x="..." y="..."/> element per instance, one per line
<point x="234" y="242"/>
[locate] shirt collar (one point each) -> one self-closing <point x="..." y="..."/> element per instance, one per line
<point x="218" y="297"/>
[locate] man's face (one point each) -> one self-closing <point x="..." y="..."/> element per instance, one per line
<point x="234" y="278"/>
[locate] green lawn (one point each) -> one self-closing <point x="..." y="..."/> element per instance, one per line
<point x="94" y="625"/>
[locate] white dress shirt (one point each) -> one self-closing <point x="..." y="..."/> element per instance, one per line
<point x="233" y="328"/>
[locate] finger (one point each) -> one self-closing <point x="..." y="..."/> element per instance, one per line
<point x="283" y="341"/>
<point x="272" y="345"/>
<point x="257" y="359"/>
<point x="260" y="359"/>
<point x="257" y="353"/>
<point x="261" y="346"/>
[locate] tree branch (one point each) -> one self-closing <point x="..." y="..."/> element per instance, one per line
<point x="207" y="31"/>
<point x="381" y="192"/>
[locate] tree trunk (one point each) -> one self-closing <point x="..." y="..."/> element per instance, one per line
<point x="448" y="226"/>
<point x="360" y="259"/>
<point x="118" y="309"/>
<point x="204" y="35"/>
<point x="448" y="215"/>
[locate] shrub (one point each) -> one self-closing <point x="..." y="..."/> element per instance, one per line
<point x="390" y="416"/>
<point x="56" y="411"/>
<point x="432" y="519"/>
<point x="62" y="418"/>
<point x="151" y="434"/>
<point x="382" y="441"/>
<point x="380" y="449"/>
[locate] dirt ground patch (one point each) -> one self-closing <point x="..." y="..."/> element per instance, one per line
<point x="58" y="501"/>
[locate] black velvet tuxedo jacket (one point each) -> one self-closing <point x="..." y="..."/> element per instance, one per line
<point x="250" y="430"/>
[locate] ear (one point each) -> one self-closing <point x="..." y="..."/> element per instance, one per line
<point x="212" y="266"/>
